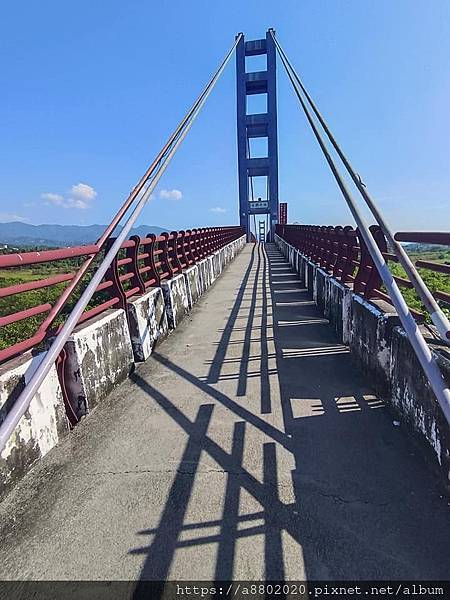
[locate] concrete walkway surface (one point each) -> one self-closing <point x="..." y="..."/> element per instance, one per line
<point x="247" y="447"/>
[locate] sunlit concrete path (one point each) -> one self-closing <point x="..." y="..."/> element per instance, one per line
<point x="247" y="447"/>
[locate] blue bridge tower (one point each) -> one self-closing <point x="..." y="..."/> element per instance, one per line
<point x="261" y="125"/>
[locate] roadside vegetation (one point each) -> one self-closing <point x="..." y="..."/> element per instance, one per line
<point x="16" y="332"/>
<point x="434" y="281"/>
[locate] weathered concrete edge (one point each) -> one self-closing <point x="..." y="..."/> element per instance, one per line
<point x="45" y="422"/>
<point x="413" y="398"/>
<point x="147" y="321"/>
<point x="379" y="346"/>
<point x="41" y="427"/>
<point x="99" y="357"/>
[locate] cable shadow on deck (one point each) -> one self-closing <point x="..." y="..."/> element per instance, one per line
<point x="216" y="364"/>
<point x="357" y="491"/>
<point x="276" y="516"/>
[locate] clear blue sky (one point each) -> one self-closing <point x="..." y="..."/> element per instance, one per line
<point x="91" y="90"/>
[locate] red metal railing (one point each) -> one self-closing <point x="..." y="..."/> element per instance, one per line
<point x="342" y="252"/>
<point x="140" y="264"/>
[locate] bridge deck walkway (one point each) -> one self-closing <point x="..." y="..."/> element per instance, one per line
<point x="247" y="447"/>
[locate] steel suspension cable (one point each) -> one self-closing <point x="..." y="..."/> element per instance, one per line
<point x="438" y="317"/>
<point x="421" y="349"/>
<point x="138" y="188"/>
<point x="161" y="163"/>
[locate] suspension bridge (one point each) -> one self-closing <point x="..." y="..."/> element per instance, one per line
<point x="267" y="406"/>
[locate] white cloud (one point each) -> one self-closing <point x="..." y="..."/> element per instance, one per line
<point x="55" y="199"/>
<point x="170" y="194"/>
<point x="82" y="192"/>
<point x="80" y="197"/>
<point x="77" y="203"/>
<point x="7" y="217"/>
<point x="218" y="209"/>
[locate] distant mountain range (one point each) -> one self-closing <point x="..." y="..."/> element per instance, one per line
<point x="21" y="234"/>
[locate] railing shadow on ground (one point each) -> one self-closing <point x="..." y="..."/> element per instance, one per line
<point x="359" y="491"/>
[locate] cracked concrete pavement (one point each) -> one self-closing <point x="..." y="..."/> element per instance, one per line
<point x="247" y="447"/>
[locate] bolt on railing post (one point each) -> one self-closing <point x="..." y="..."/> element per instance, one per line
<point x="195" y="244"/>
<point x="206" y="237"/>
<point x="188" y="242"/>
<point x="113" y="275"/>
<point x="164" y="256"/>
<point x="324" y="245"/>
<point x="201" y="242"/>
<point x="149" y="261"/>
<point x="330" y="239"/>
<point x="133" y="267"/>
<point x="337" y="251"/>
<point x="211" y="241"/>
<point x="204" y="242"/>
<point x="316" y="233"/>
<point x="172" y="250"/>
<point x="184" y="257"/>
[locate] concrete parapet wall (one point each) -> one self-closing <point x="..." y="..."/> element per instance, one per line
<point x="310" y="271"/>
<point x="298" y="261"/>
<point x="212" y="269"/>
<point x="204" y="271"/>
<point x="291" y="254"/>
<point x="370" y="341"/>
<point x="99" y="357"/>
<point x="100" y="354"/>
<point x="239" y="243"/>
<point x="380" y="348"/>
<point x="223" y="261"/>
<point x="301" y="268"/>
<point x="320" y="288"/>
<point x="338" y="308"/>
<point x="217" y="263"/>
<point x="193" y="284"/>
<point x="40" y="428"/>
<point x="147" y="321"/>
<point x="228" y="253"/>
<point x="362" y="325"/>
<point x="183" y="291"/>
<point x="176" y="299"/>
<point x="414" y="400"/>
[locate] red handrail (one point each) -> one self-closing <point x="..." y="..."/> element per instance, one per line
<point x="140" y="264"/>
<point x="341" y="251"/>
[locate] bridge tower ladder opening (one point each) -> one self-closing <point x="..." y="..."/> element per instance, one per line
<point x="251" y="126"/>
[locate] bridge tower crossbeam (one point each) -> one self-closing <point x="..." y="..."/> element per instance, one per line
<point x="263" y="125"/>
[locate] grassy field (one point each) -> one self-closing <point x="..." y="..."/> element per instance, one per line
<point x="434" y="281"/>
<point x="16" y="332"/>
